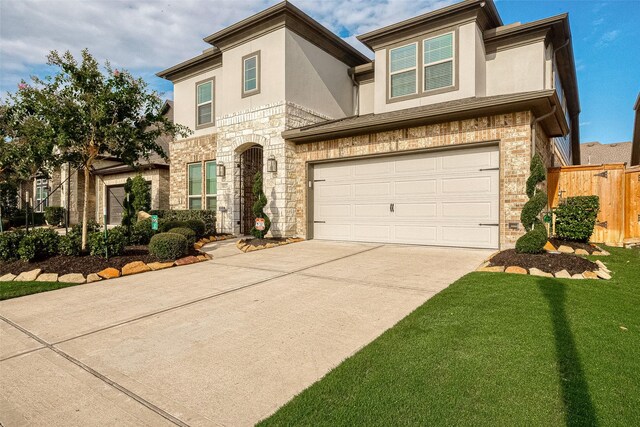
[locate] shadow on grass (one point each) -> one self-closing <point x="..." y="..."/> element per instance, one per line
<point x="579" y="409"/>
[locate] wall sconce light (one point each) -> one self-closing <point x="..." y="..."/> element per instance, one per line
<point x="272" y="164"/>
<point x="220" y="169"/>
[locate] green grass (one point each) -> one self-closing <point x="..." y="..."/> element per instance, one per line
<point x="496" y="349"/>
<point x="10" y="290"/>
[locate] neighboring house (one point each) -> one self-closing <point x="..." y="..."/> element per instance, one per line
<point x="635" y="152"/>
<point x="106" y="185"/>
<point x="429" y="143"/>
<point x="595" y="153"/>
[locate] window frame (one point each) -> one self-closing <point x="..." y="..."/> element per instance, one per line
<point x="212" y="123"/>
<point x="41" y="186"/>
<point x="195" y="196"/>
<point x="247" y="93"/>
<point x="206" y="194"/>
<point x="404" y="70"/>
<point x="442" y="61"/>
<point x="419" y="39"/>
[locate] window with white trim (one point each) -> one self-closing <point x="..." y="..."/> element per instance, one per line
<point x="403" y="73"/>
<point x="194" y="179"/>
<point x="438" y="62"/>
<point x="204" y="103"/>
<point x="250" y="67"/>
<point x="211" y="185"/>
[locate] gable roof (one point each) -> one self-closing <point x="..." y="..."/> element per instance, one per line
<point x="595" y="153"/>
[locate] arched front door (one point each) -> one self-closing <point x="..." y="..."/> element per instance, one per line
<point x="250" y="164"/>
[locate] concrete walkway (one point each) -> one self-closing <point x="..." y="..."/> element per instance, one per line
<point x="224" y="342"/>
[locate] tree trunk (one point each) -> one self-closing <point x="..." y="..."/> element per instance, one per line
<point x="85" y="204"/>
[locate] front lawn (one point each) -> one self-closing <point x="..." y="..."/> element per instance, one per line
<point x="10" y="290"/>
<point x="496" y="349"/>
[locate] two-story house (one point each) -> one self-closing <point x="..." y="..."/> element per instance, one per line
<point x="428" y="143"/>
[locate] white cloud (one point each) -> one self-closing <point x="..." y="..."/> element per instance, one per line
<point x="145" y="36"/>
<point x="607" y="38"/>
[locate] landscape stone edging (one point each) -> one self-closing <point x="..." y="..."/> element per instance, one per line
<point x="110" y="272"/>
<point x="244" y="245"/>
<point x="602" y="273"/>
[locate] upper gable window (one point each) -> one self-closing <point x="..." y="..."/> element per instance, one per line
<point x="438" y="58"/>
<point x="403" y="73"/>
<point x="251" y="74"/>
<point x="204" y="104"/>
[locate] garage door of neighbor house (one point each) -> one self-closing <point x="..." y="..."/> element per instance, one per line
<point x="115" y="200"/>
<point x="445" y="198"/>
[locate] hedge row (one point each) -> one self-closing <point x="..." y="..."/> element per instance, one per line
<point x="206" y="216"/>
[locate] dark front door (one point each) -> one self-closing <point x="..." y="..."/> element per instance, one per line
<point x="250" y="164"/>
<point x="115" y="200"/>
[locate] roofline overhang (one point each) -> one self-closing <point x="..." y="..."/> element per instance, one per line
<point x="488" y="6"/>
<point x="540" y="103"/>
<point x="208" y="59"/>
<point x="123" y="168"/>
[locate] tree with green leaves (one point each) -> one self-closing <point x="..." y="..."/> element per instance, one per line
<point x="141" y="193"/>
<point x="129" y="213"/>
<point x="94" y="113"/>
<point x="258" y="207"/>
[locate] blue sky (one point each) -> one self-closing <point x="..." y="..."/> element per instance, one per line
<point x="145" y="36"/>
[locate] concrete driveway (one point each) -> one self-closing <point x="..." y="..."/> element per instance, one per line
<point x="225" y="342"/>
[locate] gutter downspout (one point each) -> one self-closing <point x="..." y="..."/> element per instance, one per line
<point x="356" y="101"/>
<point x="533" y="129"/>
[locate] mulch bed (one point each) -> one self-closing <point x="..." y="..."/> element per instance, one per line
<point x="262" y="242"/>
<point x="550" y="263"/>
<point x="87" y="264"/>
<point x="574" y="245"/>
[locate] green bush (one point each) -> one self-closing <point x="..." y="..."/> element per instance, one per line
<point x="197" y="225"/>
<point x="141" y="192"/>
<point x="207" y="216"/>
<point x="9" y="244"/>
<point x="54" y="215"/>
<point x="188" y="233"/>
<point x="38" y="244"/>
<point x="576" y="218"/>
<point x="168" y="246"/>
<point x="258" y="207"/>
<point x="70" y="244"/>
<point x="533" y="242"/>
<point x="536" y="237"/>
<point x="115" y="242"/>
<point x="142" y="232"/>
<point x="92" y="227"/>
<point x="168" y="224"/>
<point x="531" y="210"/>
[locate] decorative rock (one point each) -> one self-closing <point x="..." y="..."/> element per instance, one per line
<point x="160" y="265"/>
<point x="7" y="277"/>
<point x="596" y="253"/>
<point x="47" y="277"/>
<point x="494" y="269"/>
<point x="143" y="215"/>
<point x="515" y="270"/>
<point x="93" y="277"/>
<point x="603" y="274"/>
<point x="563" y="274"/>
<point x="581" y="252"/>
<point x="549" y="247"/>
<point x="205" y="240"/>
<point x="109" y="273"/>
<point x="187" y="260"/>
<point x="577" y="276"/>
<point x="590" y="275"/>
<point x="213" y="238"/>
<point x="602" y="266"/>
<point x="539" y="273"/>
<point x="72" y="278"/>
<point x="135" y="268"/>
<point x="28" y="276"/>
<point x="605" y="253"/>
<point x="202" y="258"/>
<point x="271" y="245"/>
<point x="565" y="249"/>
<point x="198" y="245"/>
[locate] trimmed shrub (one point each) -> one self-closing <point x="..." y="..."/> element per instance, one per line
<point x="536" y="237"/>
<point x="92" y="227"/>
<point x="258" y="207"/>
<point x="207" y="216"/>
<point x="142" y="232"/>
<point x="9" y="244"/>
<point x="168" y="224"/>
<point x="534" y="240"/>
<point x="168" y="246"/>
<point x="141" y="192"/>
<point x="188" y="233"/>
<point x="197" y="225"/>
<point x="115" y="242"/>
<point x="70" y="245"/>
<point x="39" y="244"/>
<point x="54" y="215"/>
<point x="576" y="218"/>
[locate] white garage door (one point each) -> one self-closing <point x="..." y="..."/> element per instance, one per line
<point x="443" y="198"/>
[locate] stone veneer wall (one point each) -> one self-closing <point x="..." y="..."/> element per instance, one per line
<point x="232" y="135"/>
<point x="512" y="132"/>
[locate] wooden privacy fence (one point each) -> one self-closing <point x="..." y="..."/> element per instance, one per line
<point x="618" y="189"/>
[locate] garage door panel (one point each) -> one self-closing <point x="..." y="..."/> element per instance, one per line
<point x="437" y="199"/>
<point x="417" y="187"/>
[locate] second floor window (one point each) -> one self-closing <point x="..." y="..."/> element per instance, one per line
<point x="438" y="62"/>
<point x="251" y="74"/>
<point x="204" y="103"/>
<point x="403" y="71"/>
